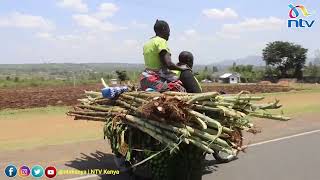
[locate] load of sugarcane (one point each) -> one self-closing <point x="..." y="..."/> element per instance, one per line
<point x="208" y="121"/>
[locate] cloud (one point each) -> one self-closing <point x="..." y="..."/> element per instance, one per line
<point x="94" y="23"/>
<point x="45" y="35"/>
<point x="254" y="24"/>
<point x="106" y="10"/>
<point x="226" y="13"/>
<point x="131" y="43"/>
<point x="190" y="32"/>
<point x="76" y="5"/>
<point x="20" y="20"/>
<point x="225" y="35"/>
<point x="138" y="25"/>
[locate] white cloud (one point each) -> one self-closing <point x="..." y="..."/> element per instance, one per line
<point x="131" y="43"/>
<point x="226" y="13"/>
<point x="76" y="5"/>
<point x="138" y="25"/>
<point x="93" y="23"/>
<point x="45" y="35"/>
<point x="20" y="20"/>
<point x="106" y="10"/>
<point x="254" y="24"/>
<point x="225" y="35"/>
<point x="190" y="32"/>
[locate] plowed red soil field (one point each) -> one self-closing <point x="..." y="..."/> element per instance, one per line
<point x="40" y="97"/>
<point x="68" y="95"/>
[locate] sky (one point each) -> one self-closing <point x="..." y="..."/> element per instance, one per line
<point x="94" y="31"/>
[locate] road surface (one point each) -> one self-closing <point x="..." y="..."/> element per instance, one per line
<point x="288" y="158"/>
<point x="296" y="158"/>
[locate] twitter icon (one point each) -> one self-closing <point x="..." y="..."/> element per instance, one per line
<point x="37" y="171"/>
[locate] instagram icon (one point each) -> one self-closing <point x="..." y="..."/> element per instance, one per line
<point x="24" y="171"/>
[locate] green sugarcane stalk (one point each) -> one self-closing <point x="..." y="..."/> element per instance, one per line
<point x="201" y="123"/>
<point x="136" y="99"/>
<point x="214" y="131"/>
<point x="207" y="136"/>
<point x="270" y="116"/>
<point x="273" y="105"/>
<point x="231" y="112"/>
<point x="200" y="145"/>
<point x="170" y="127"/>
<point x="237" y="99"/>
<point x="158" y="137"/>
<point x="216" y="103"/>
<point x="103" y="100"/>
<point x="216" y="147"/>
<point x="103" y="108"/>
<point x="205" y="108"/>
<point x="85" y="117"/>
<point x="203" y="96"/>
<point x="94" y="114"/>
<point x="221" y="109"/>
<point x="211" y="122"/>
<point x="126" y="105"/>
<point x="143" y="123"/>
<point x="143" y="94"/>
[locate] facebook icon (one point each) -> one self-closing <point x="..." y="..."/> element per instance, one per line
<point x="10" y="171"/>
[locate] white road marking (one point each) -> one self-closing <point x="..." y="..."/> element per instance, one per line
<point x="251" y="145"/>
<point x="284" y="138"/>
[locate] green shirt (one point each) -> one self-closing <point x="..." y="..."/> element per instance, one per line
<point x="151" y="52"/>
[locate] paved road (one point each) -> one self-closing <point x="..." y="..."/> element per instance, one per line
<point x="293" y="158"/>
<point x="289" y="159"/>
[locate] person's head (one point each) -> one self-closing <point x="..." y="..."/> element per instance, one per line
<point x="186" y="57"/>
<point x="162" y="29"/>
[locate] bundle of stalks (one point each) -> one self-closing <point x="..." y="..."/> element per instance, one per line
<point x="209" y="121"/>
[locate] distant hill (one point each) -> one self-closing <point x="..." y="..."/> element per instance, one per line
<point x="75" y="67"/>
<point x="249" y="60"/>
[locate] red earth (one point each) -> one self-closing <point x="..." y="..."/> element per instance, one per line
<point x="43" y="96"/>
<point x="19" y="98"/>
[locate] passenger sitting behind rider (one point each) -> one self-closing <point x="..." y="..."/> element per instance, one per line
<point x="189" y="81"/>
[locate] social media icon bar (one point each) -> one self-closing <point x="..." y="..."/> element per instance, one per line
<point x="51" y="172"/>
<point x="37" y="171"/>
<point x="24" y="171"/>
<point x="11" y="171"/>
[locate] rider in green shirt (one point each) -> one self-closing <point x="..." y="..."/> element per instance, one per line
<point x="157" y="58"/>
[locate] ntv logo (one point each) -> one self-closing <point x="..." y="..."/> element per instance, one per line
<point x="294" y="13"/>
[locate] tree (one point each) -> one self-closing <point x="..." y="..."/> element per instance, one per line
<point x="312" y="70"/>
<point x="214" y="69"/>
<point x="122" y="75"/>
<point x="285" y="57"/>
<point x="317" y="57"/>
<point x="16" y="79"/>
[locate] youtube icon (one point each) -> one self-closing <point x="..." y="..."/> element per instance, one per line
<point x="51" y="172"/>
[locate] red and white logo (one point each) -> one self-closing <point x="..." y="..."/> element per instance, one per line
<point x="51" y="172"/>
